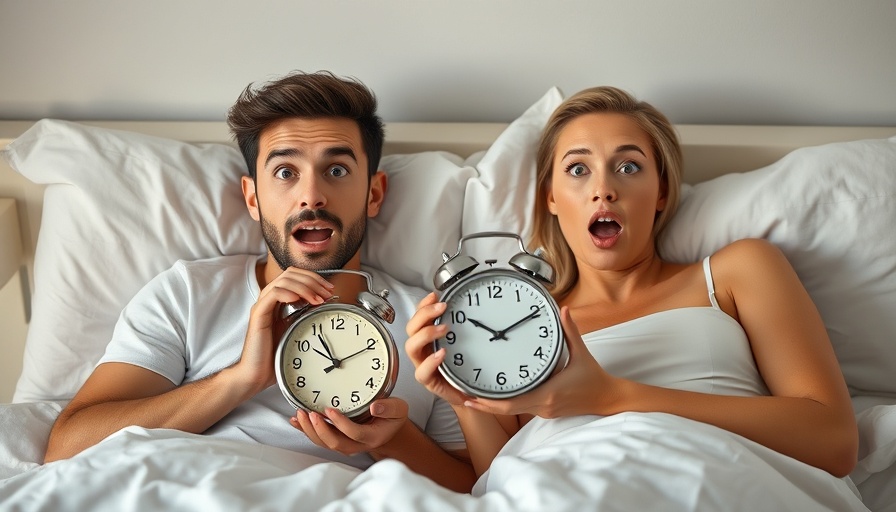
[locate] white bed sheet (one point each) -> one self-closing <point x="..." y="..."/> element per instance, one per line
<point x="626" y="462"/>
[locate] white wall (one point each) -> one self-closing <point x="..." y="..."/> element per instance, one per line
<point x="703" y="61"/>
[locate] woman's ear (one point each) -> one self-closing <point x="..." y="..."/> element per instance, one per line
<point x="250" y="197"/>
<point x="552" y="205"/>
<point x="379" y="182"/>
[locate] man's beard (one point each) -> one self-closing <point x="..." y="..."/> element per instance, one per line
<point x="278" y="243"/>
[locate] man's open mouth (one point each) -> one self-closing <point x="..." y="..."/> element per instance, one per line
<point x="312" y="235"/>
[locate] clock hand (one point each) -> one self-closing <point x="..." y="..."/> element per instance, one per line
<point x="324" y="355"/>
<point x="326" y="347"/>
<point x="501" y="335"/>
<point x="337" y="362"/>
<point x="477" y="323"/>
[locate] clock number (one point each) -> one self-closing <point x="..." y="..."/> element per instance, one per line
<point x="517" y="295"/>
<point x="377" y="364"/>
<point x="369" y="383"/>
<point x="317" y="329"/>
<point x="316" y="394"/>
<point x="501" y="379"/>
<point x="337" y="324"/>
<point x="470" y="299"/>
<point x="451" y="337"/>
<point x="303" y="345"/>
<point x="494" y="291"/>
<point x="458" y="317"/>
<point x="355" y="397"/>
<point x="524" y="371"/>
<point x="539" y="354"/>
<point x="300" y="381"/>
<point x="371" y="343"/>
<point x="458" y="359"/>
<point x="542" y="332"/>
<point x="534" y="307"/>
<point x="357" y="329"/>
<point x="478" y="371"/>
<point x="334" y="401"/>
<point x="296" y="363"/>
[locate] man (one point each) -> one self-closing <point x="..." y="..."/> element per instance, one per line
<point x="194" y="350"/>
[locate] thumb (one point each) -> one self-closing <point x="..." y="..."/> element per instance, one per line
<point x="574" y="342"/>
<point x="389" y="408"/>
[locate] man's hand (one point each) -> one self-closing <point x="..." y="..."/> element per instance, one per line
<point x="347" y="437"/>
<point x="256" y="365"/>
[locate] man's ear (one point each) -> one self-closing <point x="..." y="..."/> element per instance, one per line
<point x="376" y="193"/>
<point x="250" y="197"/>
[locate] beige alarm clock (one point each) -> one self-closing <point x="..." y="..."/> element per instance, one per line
<point x="338" y="355"/>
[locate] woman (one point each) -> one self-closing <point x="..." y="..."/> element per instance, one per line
<point x="733" y="341"/>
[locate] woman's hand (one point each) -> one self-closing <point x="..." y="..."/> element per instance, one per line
<point x="582" y="387"/>
<point x="421" y="334"/>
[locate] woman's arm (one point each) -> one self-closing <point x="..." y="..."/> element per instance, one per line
<point x="485" y="433"/>
<point x="809" y="415"/>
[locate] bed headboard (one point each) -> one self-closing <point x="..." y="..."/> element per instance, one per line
<point x="709" y="151"/>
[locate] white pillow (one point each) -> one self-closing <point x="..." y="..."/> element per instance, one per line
<point x="831" y="209"/>
<point x="120" y="207"/>
<point x="500" y="197"/>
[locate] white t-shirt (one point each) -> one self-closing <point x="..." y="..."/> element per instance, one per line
<point x="190" y="322"/>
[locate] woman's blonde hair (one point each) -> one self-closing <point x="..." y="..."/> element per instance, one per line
<point x="546" y="233"/>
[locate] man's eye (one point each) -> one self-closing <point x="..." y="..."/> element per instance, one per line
<point x="577" y="170"/>
<point x="283" y="173"/>
<point x="338" y="171"/>
<point x="629" y="168"/>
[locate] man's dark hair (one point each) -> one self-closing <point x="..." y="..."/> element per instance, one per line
<point x="306" y="95"/>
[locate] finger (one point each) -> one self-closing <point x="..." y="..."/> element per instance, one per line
<point x="420" y="346"/>
<point x="489" y="406"/>
<point x="426" y="372"/>
<point x="426" y="314"/>
<point x="304" y="286"/>
<point x="309" y="274"/>
<point x="389" y="408"/>
<point x="302" y="421"/>
<point x="341" y="428"/>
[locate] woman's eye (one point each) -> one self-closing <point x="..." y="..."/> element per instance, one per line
<point x="283" y="173"/>
<point x="338" y="171"/>
<point x="577" y="170"/>
<point x="629" y="168"/>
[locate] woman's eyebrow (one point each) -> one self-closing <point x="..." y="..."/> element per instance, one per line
<point x="630" y="147"/>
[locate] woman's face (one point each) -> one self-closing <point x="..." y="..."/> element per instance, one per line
<point x="605" y="190"/>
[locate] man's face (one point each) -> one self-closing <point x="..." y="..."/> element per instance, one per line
<point x="311" y="192"/>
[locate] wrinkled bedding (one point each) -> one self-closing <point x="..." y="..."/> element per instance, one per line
<point x="630" y="461"/>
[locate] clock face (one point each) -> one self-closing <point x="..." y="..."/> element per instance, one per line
<point x="505" y="336"/>
<point x="339" y="356"/>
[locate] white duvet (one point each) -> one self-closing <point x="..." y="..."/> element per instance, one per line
<point x="627" y="462"/>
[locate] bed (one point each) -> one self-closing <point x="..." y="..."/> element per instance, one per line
<point x="91" y="211"/>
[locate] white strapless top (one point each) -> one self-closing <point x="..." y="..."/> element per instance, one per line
<point x="695" y="348"/>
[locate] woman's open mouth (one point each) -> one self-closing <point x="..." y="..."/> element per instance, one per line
<point x="605" y="230"/>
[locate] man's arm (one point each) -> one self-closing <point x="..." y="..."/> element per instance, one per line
<point x="118" y="395"/>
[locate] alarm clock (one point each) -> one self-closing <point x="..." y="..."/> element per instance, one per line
<point x="336" y="354"/>
<point x="505" y="336"/>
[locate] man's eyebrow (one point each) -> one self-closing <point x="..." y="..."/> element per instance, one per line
<point x="285" y="152"/>
<point x="341" y="151"/>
